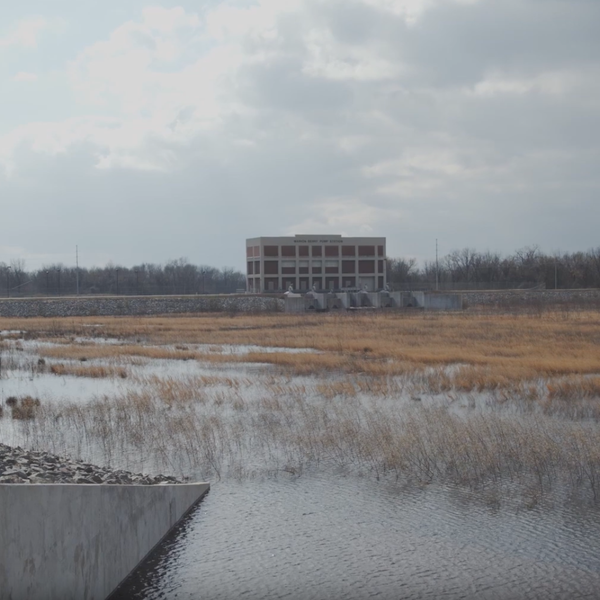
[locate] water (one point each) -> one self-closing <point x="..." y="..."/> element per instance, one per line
<point x="315" y="537"/>
<point x="319" y="535"/>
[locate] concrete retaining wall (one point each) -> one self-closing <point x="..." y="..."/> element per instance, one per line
<point x="136" y="305"/>
<point x="371" y="300"/>
<point x="60" y="542"/>
<point x="442" y="301"/>
<point x="295" y="304"/>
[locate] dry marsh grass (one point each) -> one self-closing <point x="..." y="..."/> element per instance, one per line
<point x="342" y="404"/>
<point x="24" y="408"/>
<point x="66" y="351"/>
<point x="178" y="429"/>
<point x="92" y="371"/>
<point x="548" y="345"/>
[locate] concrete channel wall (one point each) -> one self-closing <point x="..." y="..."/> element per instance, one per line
<point x="93" y="306"/>
<point x="75" y="541"/>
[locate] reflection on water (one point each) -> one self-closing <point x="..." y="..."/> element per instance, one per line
<point x="345" y="537"/>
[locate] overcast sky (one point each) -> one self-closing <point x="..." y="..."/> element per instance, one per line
<point x="148" y="131"/>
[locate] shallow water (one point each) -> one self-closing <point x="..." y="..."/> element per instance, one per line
<point x="319" y="535"/>
<point x="347" y="537"/>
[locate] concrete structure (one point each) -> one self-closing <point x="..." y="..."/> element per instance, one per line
<point x="320" y="262"/>
<point x="442" y="301"/>
<point x="316" y="301"/>
<point x="79" y="541"/>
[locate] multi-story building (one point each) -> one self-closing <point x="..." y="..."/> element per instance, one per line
<point x="321" y="262"/>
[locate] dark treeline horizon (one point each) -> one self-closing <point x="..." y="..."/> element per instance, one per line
<point x="526" y="267"/>
<point x="460" y="269"/>
<point x="174" y="277"/>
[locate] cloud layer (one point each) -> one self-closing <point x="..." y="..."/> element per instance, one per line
<point x="475" y="122"/>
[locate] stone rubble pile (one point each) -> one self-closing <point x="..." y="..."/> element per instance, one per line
<point x="137" y="305"/>
<point x="501" y="298"/>
<point x="23" y="466"/>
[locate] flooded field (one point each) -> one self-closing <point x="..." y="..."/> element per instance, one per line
<point x="352" y="455"/>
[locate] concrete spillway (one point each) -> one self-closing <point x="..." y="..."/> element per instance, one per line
<point x="63" y="541"/>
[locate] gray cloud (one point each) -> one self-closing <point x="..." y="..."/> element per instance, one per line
<point x="477" y="124"/>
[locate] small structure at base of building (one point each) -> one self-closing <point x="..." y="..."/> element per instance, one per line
<point x="364" y="300"/>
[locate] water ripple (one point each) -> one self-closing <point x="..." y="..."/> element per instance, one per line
<point x="325" y="537"/>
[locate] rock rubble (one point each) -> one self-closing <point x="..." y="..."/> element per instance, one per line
<point x="25" y="466"/>
<point x="86" y="306"/>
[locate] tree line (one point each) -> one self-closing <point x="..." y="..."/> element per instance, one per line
<point x="460" y="269"/>
<point x="176" y="277"/>
<point x="469" y="269"/>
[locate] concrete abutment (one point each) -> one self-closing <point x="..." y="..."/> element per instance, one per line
<point x="80" y="541"/>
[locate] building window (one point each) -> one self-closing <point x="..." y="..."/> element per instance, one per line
<point x="332" y="251"/>
<point x="304" y="284"/>
<point x="271" y="251"/>
<point x="257" y="267"/>
<point x="303" y="267"/>
<point x="380" y="282"/>
<point x="288" y="270"/>
<point x="366" y="266"/>
<point x="332" y="283"/>
<point x="348" y="266"/>
<point x="288" y="250"/>
<point x="348" y="250"/>
<point x="349" y="282"/>
<point x="271" y="267"/>
<point x="250" y="268"/>
<point x="317" y="283"/>
<point x="332" y="266"/>
<point x="317" y="251"/>
<point x="249" y="251"/>
<point x="366" y="250"/>
<point x="287" y="282"/>
<point x="317" y="267"/>
<point x="379" y="250"/>
<point x="271" y="284"/>
<point x="380" y="266"/>
<point x="303" y="251"/>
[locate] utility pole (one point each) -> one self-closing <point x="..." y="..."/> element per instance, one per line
<point x="437" y="268"/>
<point x="77" y="268"/>
<point x="8" y="281"/>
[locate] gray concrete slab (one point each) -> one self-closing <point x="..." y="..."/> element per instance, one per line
<point x="63" y="541"/>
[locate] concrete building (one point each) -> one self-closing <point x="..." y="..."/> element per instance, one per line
<point x="323" y="262"/>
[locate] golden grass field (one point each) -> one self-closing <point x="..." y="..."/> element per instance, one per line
<point x="550" y="344"/>
<point x="527" y="388"/>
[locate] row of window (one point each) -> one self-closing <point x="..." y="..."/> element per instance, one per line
<point x="330" y="251"/>
<point x="316" y="267"/>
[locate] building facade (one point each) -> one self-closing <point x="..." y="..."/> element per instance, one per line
<point x="321" y="262"/>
